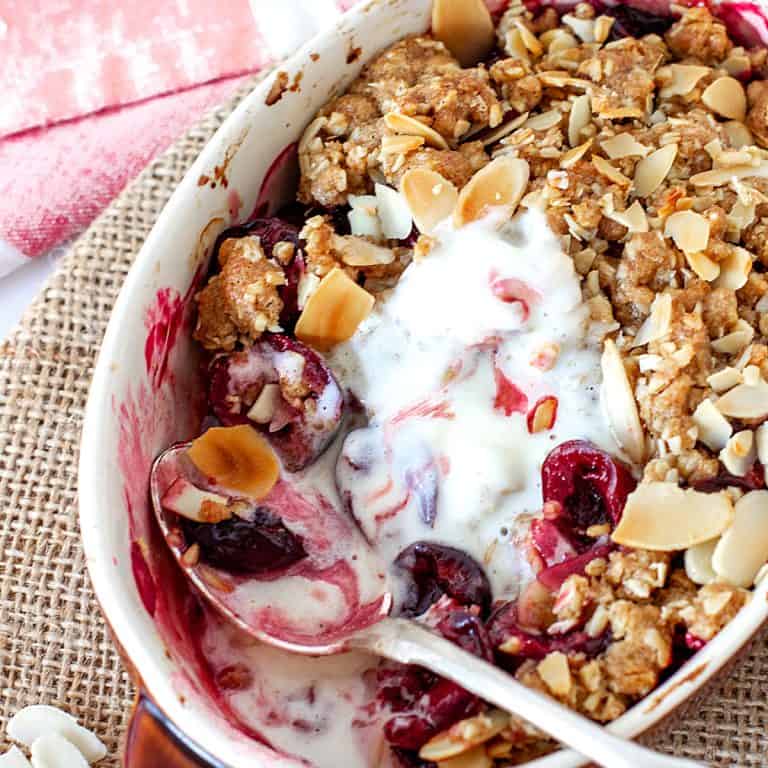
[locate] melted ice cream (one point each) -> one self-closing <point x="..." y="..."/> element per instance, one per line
<point x="449" y="368"/>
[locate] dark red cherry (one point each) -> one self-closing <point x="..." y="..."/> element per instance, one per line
<point x="308" y="410"/>
<point x="257" y="545"/>
<point x="634" y="22"/>
<point x="589" y="483"/>
<point x="435" y="570"/>
<point x="553" y="576"/>
<point x="466" y="629"/>
<point x="754" y="480"/>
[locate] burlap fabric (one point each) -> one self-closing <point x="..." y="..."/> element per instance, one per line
<point x="54" y="647"/>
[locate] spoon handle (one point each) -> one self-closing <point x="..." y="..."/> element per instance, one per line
<point x="409" y="643"/>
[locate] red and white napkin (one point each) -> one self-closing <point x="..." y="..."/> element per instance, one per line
<point x="91" y="91"/>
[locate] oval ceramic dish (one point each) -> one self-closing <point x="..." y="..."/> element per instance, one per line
<point x="145" y="392"/>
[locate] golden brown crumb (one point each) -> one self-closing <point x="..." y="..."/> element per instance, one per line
<point x="698" y="35"/>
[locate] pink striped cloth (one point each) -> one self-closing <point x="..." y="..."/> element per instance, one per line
<point x="92" y="90"/>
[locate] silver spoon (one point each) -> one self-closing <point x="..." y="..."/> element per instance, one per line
<point x="407" y="642"/>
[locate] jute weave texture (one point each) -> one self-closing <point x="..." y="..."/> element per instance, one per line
<point x="54" y="646"/>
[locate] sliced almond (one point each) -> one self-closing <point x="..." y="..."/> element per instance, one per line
<point x="464" y="735"/>
<point x="530" y="40"/>
<point x="698" y="562"/>
<point x="394" y="213"/>
<point x="657" y="324"/>
<point x="238" y="458"/>
<point x="610" y="172"/>
<point x="619" y="404"/>
<point x="562" y="41"/>
<point x="501" y="183"/>
<point x="603" y="26"/>
<point x="308" y="283"/>
<point x="333" y="311"/>
<point x="743" y="548"/>
<point x="713" y="428"/>
<point x="761" y="444"/>
<point x="727" y="98"/>
<point x="514" y="45"/>
<point x="689" y="230"/>
<point x="579" y="118"/>
<point x="34" y="721"/>
<point x="544" y="121"/>
<point x="409" y="126"/>
<point x="584" y="29"/>
<point x="738" y="134"/>
<point x="739" y="454"/>
<point x="634" y="218"/>
<point x="652" y="170"/>
<point x="475" y="758"/>
<point x="364" y="223"/>
<point x="542" y="416"/>
<point x="263" y="408"/>
<point x="663" y="517"/>
<point x="720" y="176"/>
<point x="723" y="380"/>
<point x="465" y="27"/>
<point x="401" y="144"/>
<point x="735" y="341"/>
<point x="703" y="266"/>
<point x="358" y="252"/>
<point x="735" y="269"/>
<point x="572" y="156"/>
<point x="191" y="502"/>
<point x="503" y="130"/>
<point x="745" y="402"/>
<point x="553" y="669"/>
<point x="680" y="79"/>
<point x="54" y="751"/>
<point x="431" y="198"/>
<point x="14" y="758"/>
<point x="623" y="145"/>
<point x="559" y="79"/>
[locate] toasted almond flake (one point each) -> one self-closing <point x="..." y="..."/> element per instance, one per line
<point x="394" y="214"/>
<point x="515" y="47"/>
<point x="703" y="266"/>
<point x="466" y="28"/>
<point x="563" y="80"/>
<point x="464" y="735"/>
<point x="634" y="218"/>
<point x="530" y="40"/>
<point x="562" y="41"/>
<point x="54" y="751"/>
<point x="501" y="183"/>
<point x="36" y="720"/>
<point x="725" y="379"/>
<point x="720" y="176"/>
<point x="698" y="562"/>
<point x="431" y="198"/>
<point x="652" y="170"/>
<point x="475" y="758"/>
<point x="619" y="404"/>
<point x="735" y="269"/>
<point x="714" y="430"/>
<point x="664" y="517"/>
<point x="334" y="311"/>
<point x="555" y="672"/>
<point x="579" y="118"/>
<point x="656" y="325"/>
<point x="623" y="145"/>
<point x="740" y="453"/>
<point x="572" y="156"/>
<point x="735" y="341"/>
<point x="308" y="283"/>
<point x="745" y="402"/>
<point x="612" y="173"/>
<point x="364" y="222"/>
<point x="603" y="26"/>
<point x="358" y="252"/>
<point x="738" y="134"/>
<point x="409" y="126"/>
<point x="584" y="29"/>
<point x="622" y="113"/>
<point x="310" y="133"/>
<point x="544" y="121"/>
<point x="752" y="376"/>
<point x="400" y="145"/>
<point x="689" y="230"/>
<point x="263" y="408"/>
<point x="189" y="501"/>
<point x="543" y="415"/>
<point x="726" y="97"/>
<point x="503" y="130"/>
<point x="679" y="79"/>
<point x="743" y="548"/>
